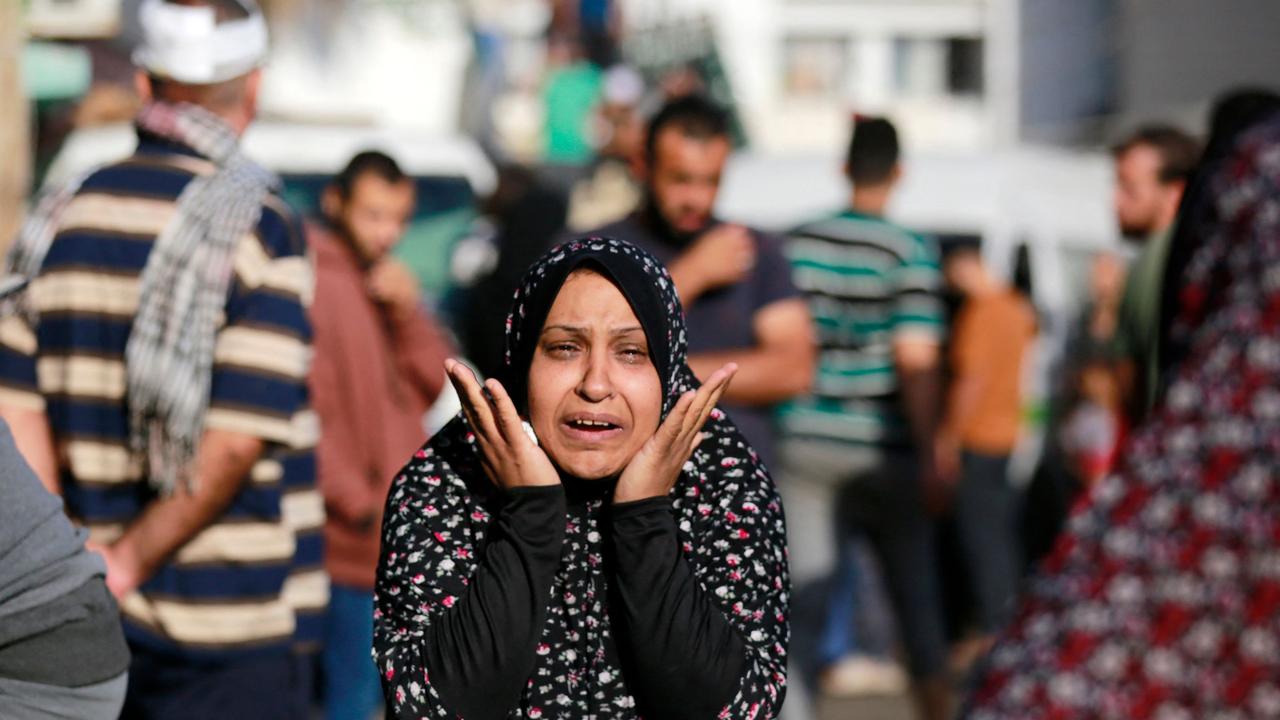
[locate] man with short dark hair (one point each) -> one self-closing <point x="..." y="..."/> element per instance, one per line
<point x="738" y="297"/>
<point x="857" y="450"/>
<point x="378" y="367"/>
<point x="1152" y="168"/>
<point x="155" y="374"/>
<point x="1153" y="165"/>
<point x="991" y="335"/>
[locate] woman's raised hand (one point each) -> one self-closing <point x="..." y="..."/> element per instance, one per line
<point x="510" y="457"/>
<point x="653" y="471"/>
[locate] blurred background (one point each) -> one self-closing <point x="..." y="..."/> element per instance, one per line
<point x="1006" y="108"/>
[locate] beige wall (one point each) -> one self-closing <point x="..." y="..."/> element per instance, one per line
<point x="15" y="170"/>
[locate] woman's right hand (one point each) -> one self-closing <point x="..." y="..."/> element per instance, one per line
<point x="510" y="457"/>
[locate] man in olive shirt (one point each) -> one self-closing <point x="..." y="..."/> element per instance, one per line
<point x="1152" y="168"/>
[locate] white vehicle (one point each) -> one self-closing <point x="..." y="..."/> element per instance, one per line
<point x="1055" y="203"/>
<point x="450" y="172"/>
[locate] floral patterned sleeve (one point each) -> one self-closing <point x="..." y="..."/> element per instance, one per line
<point x="743" y="563"/>
<point x="461" y="594"/>
<point x="702" y="586"/>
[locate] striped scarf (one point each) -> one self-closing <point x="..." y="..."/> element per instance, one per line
<point x="169" y="355"/>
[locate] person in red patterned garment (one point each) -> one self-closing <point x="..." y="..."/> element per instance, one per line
<point x="1162" y="598"/>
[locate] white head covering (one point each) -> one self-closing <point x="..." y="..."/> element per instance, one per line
<point x="186" y="44"/>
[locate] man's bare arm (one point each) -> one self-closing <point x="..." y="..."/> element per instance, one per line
<point x="31" y="432"/>
<point x="222" y="464"/>
<point x="779" y="367"/>
<point x="917" y="361"/>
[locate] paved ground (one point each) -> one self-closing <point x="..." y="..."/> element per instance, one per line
<point x="880" y="708"/>
<point x="887" y="708"/>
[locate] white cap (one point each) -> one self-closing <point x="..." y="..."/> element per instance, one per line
<point x="188" y="45"/>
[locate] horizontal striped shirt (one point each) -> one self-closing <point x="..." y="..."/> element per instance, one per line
<point x="253" y="580"/>
<point x="868" y="283"/>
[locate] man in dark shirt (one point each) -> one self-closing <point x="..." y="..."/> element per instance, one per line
<point x="734" y="282"/>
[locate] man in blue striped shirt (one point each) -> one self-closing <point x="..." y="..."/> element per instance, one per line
<point x="856" y="454"/>
<point x="219" y="576"/>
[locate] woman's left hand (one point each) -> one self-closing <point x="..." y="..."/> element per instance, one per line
<point x="653" y="471"/>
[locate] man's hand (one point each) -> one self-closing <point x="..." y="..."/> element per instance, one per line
<point x="167" y="523"/>
<point x="123" y="573"/>
<point x="941" y="473"/>
<point x="916" y="360"/>
<point x="946" y="458"/>
<point x="722" y="256"/>
<point x="393" y="284"/>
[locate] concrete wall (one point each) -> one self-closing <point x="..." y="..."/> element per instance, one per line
<point x="1177" y="55"/>
<point x="1069" y="72"/>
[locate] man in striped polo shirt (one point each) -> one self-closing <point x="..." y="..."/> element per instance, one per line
<point x="856" y="450"/>
<point x="155" y="375"/>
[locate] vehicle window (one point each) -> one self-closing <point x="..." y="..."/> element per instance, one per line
<point x="446" y="207"/>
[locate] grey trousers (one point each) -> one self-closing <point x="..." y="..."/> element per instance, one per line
<point x="21" y="700"/>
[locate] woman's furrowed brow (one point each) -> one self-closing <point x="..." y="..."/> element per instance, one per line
<point x="582" y="329"/>
<point x="570" y="329"/>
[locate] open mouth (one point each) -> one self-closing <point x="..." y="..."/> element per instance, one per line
<point x="592" y="427"/>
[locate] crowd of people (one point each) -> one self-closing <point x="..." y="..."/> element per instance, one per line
<point x="699" y="467"/>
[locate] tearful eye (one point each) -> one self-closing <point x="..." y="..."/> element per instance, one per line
<point x="633" y="355"/>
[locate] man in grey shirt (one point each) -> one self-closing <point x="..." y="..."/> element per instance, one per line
<point x="62" y="650"/>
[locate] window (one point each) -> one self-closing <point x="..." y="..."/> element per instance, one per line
<point x="964" y="66"/>
<point x="815" y="66"/>
<point x="918" y="66"/>
<point x="925" y="67"/>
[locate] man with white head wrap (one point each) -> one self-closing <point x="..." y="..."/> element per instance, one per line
<point x="155" y="375"/>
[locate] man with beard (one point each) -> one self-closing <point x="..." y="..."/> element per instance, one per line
<point x="734" y="282"/>
<point x="1152" y="167"/>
